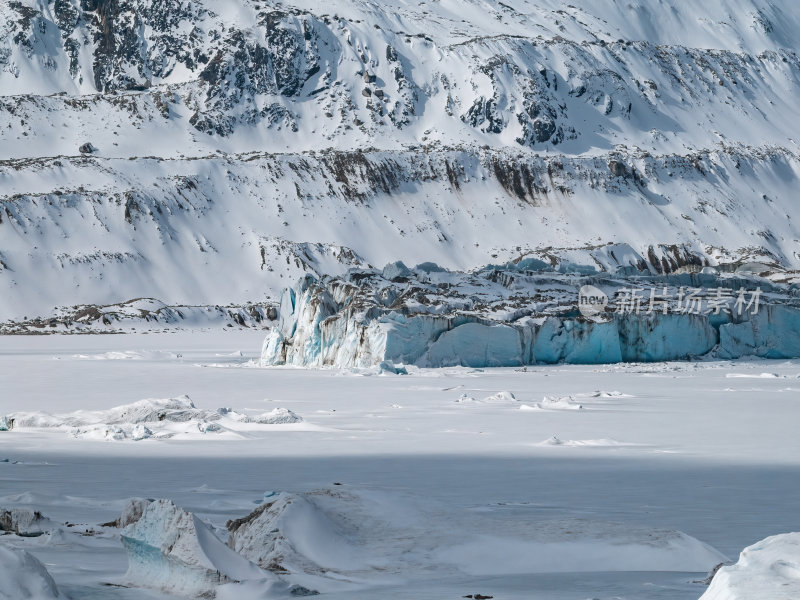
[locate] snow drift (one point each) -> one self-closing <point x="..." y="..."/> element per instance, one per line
<point x="327" y="536"/>
<point x="326" y="540"/>
<point x="291" y="534"/>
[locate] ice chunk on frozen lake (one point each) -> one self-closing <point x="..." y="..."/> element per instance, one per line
<point x="598" y="443"/>
<point x="290" y="533"/>
<point x="330" y="536"/>
<point x="171" y="549"/>
<point x="767" y="570"/>
<point x="558" y="403"/>
<point x="132" y="511"/>
<point x="23" y="577"/>
<point x="24" y="522"/>
<point x="152" y="418"/>
<point x="277" y="416"/>
<point x="500" y="398"/>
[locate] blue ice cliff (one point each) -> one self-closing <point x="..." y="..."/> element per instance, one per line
<point x="509" y="315"/>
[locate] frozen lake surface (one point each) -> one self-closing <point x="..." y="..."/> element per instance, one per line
<point x="569" y="486"/>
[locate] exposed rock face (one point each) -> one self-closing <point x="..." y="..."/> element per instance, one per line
<point x="512" y="317"/>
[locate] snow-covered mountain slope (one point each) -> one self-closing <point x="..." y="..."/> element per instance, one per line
<point x="229" y="147"/>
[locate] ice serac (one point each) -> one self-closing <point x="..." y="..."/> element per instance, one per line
<point x="171" y="549"/>
<point x="555" y="339"/>
<point x="656" y="337"/>
<point x="23" y="577"/>
<point x="476" y="345"/>
<point x="768" y="569"/>
<point x="511" y="315"/>
<point x="773" y="333"/>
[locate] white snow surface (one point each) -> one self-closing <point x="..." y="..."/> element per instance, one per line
<point x="389" y="486"/>
<point x="767" y="569"/>
<point x="350" y="534"/>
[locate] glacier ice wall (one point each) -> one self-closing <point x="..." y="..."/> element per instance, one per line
<point x="497" y="318"/>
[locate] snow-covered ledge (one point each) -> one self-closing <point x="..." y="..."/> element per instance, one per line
<point x="767" y="570"/>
